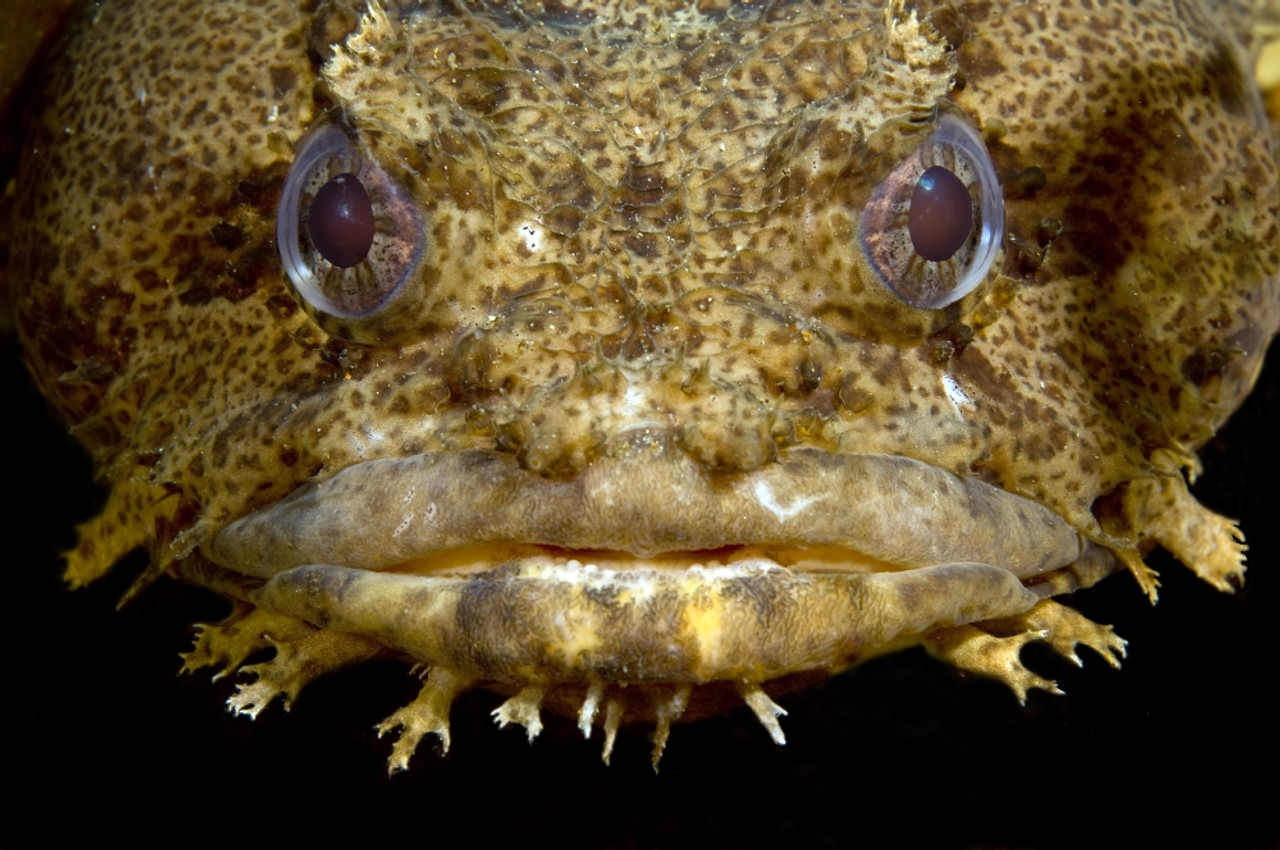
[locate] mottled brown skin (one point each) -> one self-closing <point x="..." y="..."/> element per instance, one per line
<point x="697" y="185"/>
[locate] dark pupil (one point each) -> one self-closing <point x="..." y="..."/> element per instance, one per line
<point x="941" y="215"/>
<point x="340" y="221"/>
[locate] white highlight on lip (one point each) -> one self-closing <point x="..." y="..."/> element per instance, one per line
<point x="769" y="501"/>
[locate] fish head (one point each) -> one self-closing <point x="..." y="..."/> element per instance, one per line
<point x="628" y="360"/>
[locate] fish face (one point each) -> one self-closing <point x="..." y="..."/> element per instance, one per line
<point x="633" y="363"/>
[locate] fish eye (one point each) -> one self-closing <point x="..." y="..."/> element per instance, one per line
<point x="348" y="236"/>
<point x="940" y="216"/>
<point x="340" y="221"/>
<point x="933" y="226"/>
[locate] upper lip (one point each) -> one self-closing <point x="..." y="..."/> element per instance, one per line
<point x="891" y="513"/>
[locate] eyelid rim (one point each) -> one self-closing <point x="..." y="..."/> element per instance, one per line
<point x="318" y="144"/>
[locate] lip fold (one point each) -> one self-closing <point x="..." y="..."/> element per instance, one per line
<point x="649" y="567"/>
<point x="461" y="509"/>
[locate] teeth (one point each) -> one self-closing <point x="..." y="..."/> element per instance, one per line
<point x="767" y="711"/>
<point x="666" y="713"/>
<point x="523" y="709"/>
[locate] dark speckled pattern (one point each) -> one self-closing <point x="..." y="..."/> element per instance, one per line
<point x="1128" y="317"/>
<point x="158" y="270"/>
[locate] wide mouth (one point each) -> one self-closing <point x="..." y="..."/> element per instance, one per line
<point x="462" y="513"/>
<point x="475" y="560"/>
<point x="647" y="567"/>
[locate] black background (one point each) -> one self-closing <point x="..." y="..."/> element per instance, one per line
<point x="1181" y="743"/>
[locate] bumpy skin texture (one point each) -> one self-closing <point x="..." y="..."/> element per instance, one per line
<point x="642" y="254"/>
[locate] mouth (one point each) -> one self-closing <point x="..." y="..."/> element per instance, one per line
<point x="648" y="567"/>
